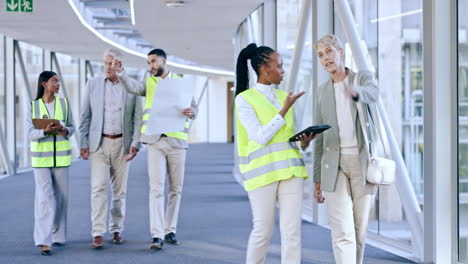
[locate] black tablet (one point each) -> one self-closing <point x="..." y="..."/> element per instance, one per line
<point x="311" y="129"/>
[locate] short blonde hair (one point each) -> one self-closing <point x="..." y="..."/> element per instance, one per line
<point x="115" y="53"/>
<point x="328" y="40"/>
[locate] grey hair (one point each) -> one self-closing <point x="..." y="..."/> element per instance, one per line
<point x="328" y="40"/>
<point x="115" y="53"/>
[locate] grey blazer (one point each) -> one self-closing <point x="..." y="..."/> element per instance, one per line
<point x="327" y="145"/>
<point x="92" y="117"/>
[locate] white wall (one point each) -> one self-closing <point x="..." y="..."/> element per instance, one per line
<point x="211" y="123"/>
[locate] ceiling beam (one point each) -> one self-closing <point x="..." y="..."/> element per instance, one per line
<point x="113" y="18"/>
<point x="123" y="27"/>
<point x="106" y="3"/>
<point x="128" y="34"/>
<point x="145" y="45"/>
<point x="115" y="23"/>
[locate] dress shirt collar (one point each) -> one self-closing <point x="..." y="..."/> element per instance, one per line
<point x="108" y="80"/>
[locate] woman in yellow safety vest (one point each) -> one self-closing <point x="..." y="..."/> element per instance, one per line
<point x="272" y="168"/>
<point x="50" y="158"/>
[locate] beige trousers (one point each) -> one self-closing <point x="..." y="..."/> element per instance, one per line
<point x="164" y="159"/>
<point x="108" y="165"/>
<point x="348" y="211"/>
<point x="288" y="193"/>
<point x="50" y="205"/>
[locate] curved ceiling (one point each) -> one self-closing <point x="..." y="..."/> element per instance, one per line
<point x="200" y="32"/>
<point x="54" y="26"/>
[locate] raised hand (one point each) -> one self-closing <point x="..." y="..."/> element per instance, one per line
<point x="290" y="100"/>
<point x="117" y="65"/>
<point x="188" y="112"/>
<point x="350" y="90"/>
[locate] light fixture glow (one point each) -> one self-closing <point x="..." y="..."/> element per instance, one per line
<point x="175" y="4"/>
<point x="132" y="11"/>
<point x="139" y="54"/>
<point x="417" y="11"/>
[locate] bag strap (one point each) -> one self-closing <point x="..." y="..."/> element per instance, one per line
<point x="365" y="132"/>
<point x="363" y="127"/>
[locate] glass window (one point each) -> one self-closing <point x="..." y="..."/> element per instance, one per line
<point x="97" y="68"/>
<point x="462" y="132"/>
<point x="26" y="89"/>
<point x="70" y="84"/>
<point x="250" y="30"/>
<point x="289" y="14"/>
<point x="288" y="19"/>
<point x="391" y="33"/>
<point x="2" y="82"/>
<point x="2" y="94"/>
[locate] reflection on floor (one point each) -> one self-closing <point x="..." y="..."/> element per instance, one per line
<point x="214" y="223"/>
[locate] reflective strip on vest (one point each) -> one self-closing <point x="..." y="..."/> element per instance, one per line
<point x="51" y="151"/>
<point x="275" y="147"/>
<point x="277" y="165"/>
<point x="151" y="85"/>
<point x="277" y="160"/>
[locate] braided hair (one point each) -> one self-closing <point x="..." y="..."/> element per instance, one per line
<point x="258" y="56"/>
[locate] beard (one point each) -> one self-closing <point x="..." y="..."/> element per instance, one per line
<point x="159" y="72"/>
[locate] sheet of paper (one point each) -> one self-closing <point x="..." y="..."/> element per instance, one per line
<point x="172" y="96"/>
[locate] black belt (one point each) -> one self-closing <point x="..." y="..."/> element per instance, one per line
<point x="112" y="136"/>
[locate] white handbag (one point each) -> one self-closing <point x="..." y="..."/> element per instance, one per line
<point x="380" y="170"/>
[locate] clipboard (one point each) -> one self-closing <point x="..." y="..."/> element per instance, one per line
<point x="42" y="123"/>
<point x="307" y="131"/>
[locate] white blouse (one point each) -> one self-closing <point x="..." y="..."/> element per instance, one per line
<point x="346" y="128"/>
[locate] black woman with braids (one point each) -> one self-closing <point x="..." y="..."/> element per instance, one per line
<point x="272" y="168"/>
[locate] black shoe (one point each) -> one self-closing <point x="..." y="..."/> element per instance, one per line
<point x="117" y="238"/>
<point x="45" y="251"/>
<point x="157" y="244"/>
<point x="58" y="244"/>
<point x="171" y="239"/>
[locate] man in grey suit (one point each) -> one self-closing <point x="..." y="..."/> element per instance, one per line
<point x="110" y="132"/>
<point x="340" y="160"/>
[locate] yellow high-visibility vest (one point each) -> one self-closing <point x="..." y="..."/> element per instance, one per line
<point x="151" y="84"/>
<point x="279" y="159"/>
<point x="52" y="150"/>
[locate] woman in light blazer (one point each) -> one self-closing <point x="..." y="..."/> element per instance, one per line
<point x="340" y="158"/>
<point x="50" y="158"/>
<point x="272" y="168"/>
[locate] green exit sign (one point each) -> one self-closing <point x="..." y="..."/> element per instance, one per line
<point x="19" y="6"/>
